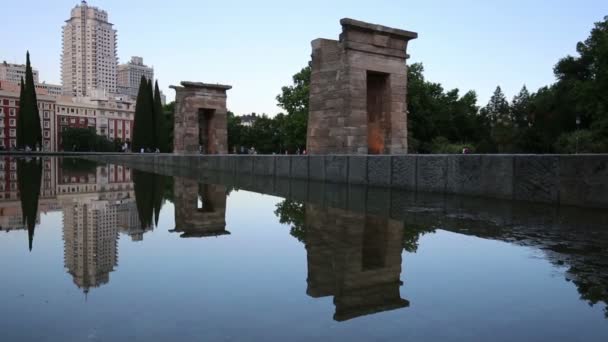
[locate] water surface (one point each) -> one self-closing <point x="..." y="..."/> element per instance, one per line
<point x="106" y="253"/>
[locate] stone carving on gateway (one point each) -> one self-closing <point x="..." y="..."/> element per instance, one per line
<point x="358" y="91"/>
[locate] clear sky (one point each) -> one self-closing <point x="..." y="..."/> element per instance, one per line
<point x="256" y="46"/>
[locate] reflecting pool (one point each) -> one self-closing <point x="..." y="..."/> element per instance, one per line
<point x="94" y="252"/>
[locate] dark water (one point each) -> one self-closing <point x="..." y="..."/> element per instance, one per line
<point x="124" y="255"/>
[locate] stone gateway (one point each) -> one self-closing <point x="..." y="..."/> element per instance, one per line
<point x="200" y="123"/>
<point x="358" y="91"/>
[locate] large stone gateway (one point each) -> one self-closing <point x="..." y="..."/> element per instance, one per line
<point x="200" y="123"/>
<point x="357" y="91"/>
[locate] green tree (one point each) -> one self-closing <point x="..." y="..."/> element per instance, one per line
<point x="433" y="113"/>
<point x="28" y="123"/>
<point x="143" y="126"/>
<point x="293" y="213"/>
<point x="498" y="113"/>
<point x="150" y="191"/>
<point x="29" y="179"/>
<point x="162" y="132"/>
<point x="292" y="127"/>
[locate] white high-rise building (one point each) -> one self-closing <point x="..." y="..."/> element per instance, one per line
<point x="14" y="72"/>
<point x="129" y="76"/>
<point x="89" y="58"/>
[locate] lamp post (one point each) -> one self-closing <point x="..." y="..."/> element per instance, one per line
<point x="578" y="123"/>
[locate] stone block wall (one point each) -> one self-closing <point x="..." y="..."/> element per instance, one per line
<point x="358" y="91"/>
<point x="579" y="180"/>
<point x="192" y="100"/>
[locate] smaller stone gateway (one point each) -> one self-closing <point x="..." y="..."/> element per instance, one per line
<point x="358" y="91"/>
<point x="200" y="123"/>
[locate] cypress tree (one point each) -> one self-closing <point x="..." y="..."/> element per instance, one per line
<point x="162" y="138"/>
<point x="139" y="124"/>
<point x="20" y="134"/>
<point x="28" y="111"/>
<point x="150" y="116"/>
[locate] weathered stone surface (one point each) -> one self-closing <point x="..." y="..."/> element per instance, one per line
<point x="573" y="180"/>
<point x="378" y="201"/>
<point x="357" y="169"/>
<point x="358" y="91"/>
<point x="282" y="187"/>
<point x="357" y="197"/>
<point x="316" y="192"/>
<point x="299" y="167"/>
<point x="283" y="166"/>
<point x="403" y="173"/>
<point x="336" y="195"/>
<point x="196" y="103"/>
<point x="379" y="170"/>
<point x="583" y="180"/>
<point x="431" y="173"/>
<point x="536" y="178"/>
<point x="299" y="190"/>
<point x="464" y="174"/>
<point x="244" y="164"/>
<point x="336" y="169"/>
<point x="228" y="164"/>
<point x="316" y="168"/>
<point x="497" y="176"/>
<point x="263" y="165"/>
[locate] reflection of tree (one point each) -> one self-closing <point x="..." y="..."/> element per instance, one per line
<point x="29" y="178"/>
<point x="294" y="214"/>
<point x="150" y="192"/>
<point x="412" y="234"/>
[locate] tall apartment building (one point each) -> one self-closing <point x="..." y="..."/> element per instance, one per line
<point x="89" y="59"/>
<point x="14" y="72"/>
<point x="129" y="76"/>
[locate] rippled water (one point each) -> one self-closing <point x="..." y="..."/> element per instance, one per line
<point x="125" y="255"/>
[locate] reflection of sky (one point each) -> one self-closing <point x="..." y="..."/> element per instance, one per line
<point x="251" y="285"/>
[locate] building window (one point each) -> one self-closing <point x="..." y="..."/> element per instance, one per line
<point x="47" y="124"/>
<point x="12" y="122"/>
<point x="11" y="111"/>
<point x="47" y="134"/>
<point x="46" y="114"/>
<point x="12" y="133"/>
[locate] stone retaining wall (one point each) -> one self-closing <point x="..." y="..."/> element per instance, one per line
<point x="580" y="180"/>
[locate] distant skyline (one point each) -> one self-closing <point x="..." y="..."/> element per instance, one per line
<point x="257" y="46"/>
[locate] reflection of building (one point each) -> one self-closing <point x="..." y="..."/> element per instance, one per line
<point x="96" y="202"/>
<point x="200" y="209"/>
<point x="128" y="220"/>
<point x="90" y="235"/>
<point x="11" y="216"/>
<point x="356" y="258"/>
<point x="91" y="201"/>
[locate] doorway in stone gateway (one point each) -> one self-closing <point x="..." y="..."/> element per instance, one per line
<point x="205" y="203"/>
<point x="374" y="243"/>
<point x="206" y="134"/>
<point x="378" y="109"/>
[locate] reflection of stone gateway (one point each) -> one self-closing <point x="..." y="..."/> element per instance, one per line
<point x="356" y="258"/>
<point x="200" y="210"/>
<point x="200" y="118"/>
<point x="357" y="91"/>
